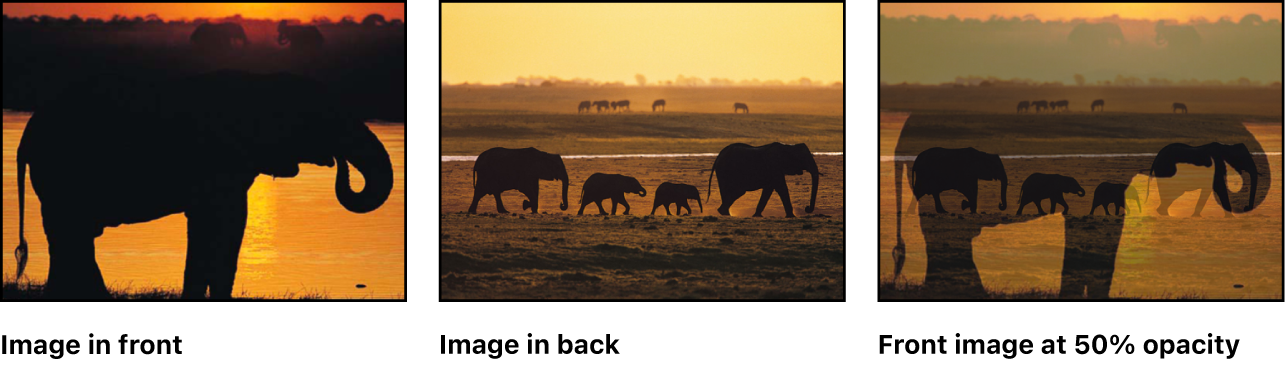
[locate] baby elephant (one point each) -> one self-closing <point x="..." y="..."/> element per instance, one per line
<point x="1116" y="194"/>
<point x="601" y="186"/>
<point x="675" y="193"/>
<point x="1040" y="186"/>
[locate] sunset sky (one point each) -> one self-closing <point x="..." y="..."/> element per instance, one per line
<point x="1048" y="11"/>
<point x="200" y="10"/>
<point x="494" y="43"/>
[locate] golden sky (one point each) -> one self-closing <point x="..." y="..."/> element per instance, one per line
<point x="202" y="10"/>
<point x="495" y="43"/>
<point x="1048" y="11"/>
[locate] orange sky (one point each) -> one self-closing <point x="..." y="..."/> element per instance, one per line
<point x="1047" y="11"/>
<point x="174" y="11"/>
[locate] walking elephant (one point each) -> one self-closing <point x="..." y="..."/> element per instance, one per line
<point x="1042" y="186"/>
<point x="1038" y="106"/>
<point x="675" y="193"/>
<point x="1113" y="193"/>
<point x="1213" y="155"/>
<point x="740" y="106"/>
<point x="299" y="37"/>
<point x="601" y="106"/>
<point x="500" y="169"/>
<point x="659" y="103"/>
<point x="623" y="104"/>
<point x="741" y="168"/>
<point x="938" y="169"/>
<point x="192" y="146"/>
<point x="1098" y="103"/>
<point x="1022" y="107"/>
<point x="1093" y="147"/>
<point x="1180" y="106"/>
<point x="1061" y="105"/>
<point x="219" y="36"/>
<point x="600" y="186"/>
<point x="583" y="106"/>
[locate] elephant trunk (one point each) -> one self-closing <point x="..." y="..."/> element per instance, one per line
<point x="1082" y="193"/>
<point x="1252" y="192"/>
<point x="813" y="191"/>
<point x="369" y="156"/>
<point x="564" y="194"/>
<point x="1002" y="205"/>
<point x="700" y="205"/>
<point x="642" y="192"/>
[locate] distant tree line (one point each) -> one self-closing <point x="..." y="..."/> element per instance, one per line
<point x="120" y="21"/>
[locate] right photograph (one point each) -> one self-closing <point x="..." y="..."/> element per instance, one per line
<point x="1081" y="152"/>
<point x="582" y="145"/>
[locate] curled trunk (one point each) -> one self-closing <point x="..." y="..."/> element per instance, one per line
<point x="368" y="155"/>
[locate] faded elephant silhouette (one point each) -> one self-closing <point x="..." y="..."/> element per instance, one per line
<point x="1096" y="35"/>
<point x="1061" y="105"/>
<point x="741" y="168"/>
<point x="601" y="106"/>
<point x="600" y="186"/>
<point x="675" y="193"/>
<point x="1213" y="155"/>
<point x="1038" y="106"/>
<point x="1022" y="107"/>
<point x="499" y="169"/>
<point x="1176" y="36"/>
<point x="1180" y="106"/>
<point x="191" y="146"/>
<point x="1091" y="245"/>
<point x="623" y="104"/>
<point x="219" y="36"/>
<point x="1113" y="193"/>
<point x="740" y="106"/>
<point x="659" y="103"/>
<point x="1098" y="103"/>
<point x="299" y="37"/>
<point x="583" y="106"/>
<point x="1042" y="186"/>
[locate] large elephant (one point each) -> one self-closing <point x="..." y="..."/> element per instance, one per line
<point x="1042" y="186"/>
<point x="1213" y="155"/>
<point x="1094" y="147"/>
<point x="675" y="193"/>
<point x="219" y="36"/>
<point x="600" y="186"/>
<point x="299" y="37"/>
<point x="939" y="169"/>
<point x="500" y="169"/>
<point x="741" y="168"/>
<point x="192" y="146"/>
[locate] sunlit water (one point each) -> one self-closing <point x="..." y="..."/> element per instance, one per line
<point x="1158" y="257"/>
<point x="299" y="241"/>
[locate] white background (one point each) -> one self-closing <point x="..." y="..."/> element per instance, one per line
<point x="654" y="336"/>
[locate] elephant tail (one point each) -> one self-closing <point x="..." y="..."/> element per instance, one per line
<point x="899" y="251"/>
<point x="20" y="253"/>
<point x="1147" y="181"/>
<point x="713" y="174"/>
<point x="474" y="179"/>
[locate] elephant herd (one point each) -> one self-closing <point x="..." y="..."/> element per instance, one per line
<point x="1063" y="106"/>
<point x="739" y="168"/>
<point x="227" y="36"/>
<point x="605" y="105"/>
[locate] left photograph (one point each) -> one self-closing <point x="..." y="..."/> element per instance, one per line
<point x="204" y="151"/>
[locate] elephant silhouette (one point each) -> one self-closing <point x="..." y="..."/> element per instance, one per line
<point x="675" y="193"/>
<point x="219" y="36"/>
<point x="1061" y="105"/>
<point x="1098" y="103"/>
<point x="1042" y="186"/>
<point x="623" y="104"/>
<point x="1176" y="36"/>
<point x="1091" y="245"/>
<point x="1022" y="107"/>
<point x="1096" y="35"/>
<point x="299" y="37"/>
<point x="740" y="106"/>
<point x="499" y="169"/>
<point x="600" y="186"/>
<point x="193" y="146"/>
<point x="659" y="103"/>
<point x="613" y="104"/>
<point x="1113" y="193"/>
<point x="1180" y="106"/>
<point x="1038" y="106"/>
<point x="601" y="106"/>
<point x="938" y="169"/>
<point x="741" y="168"/>
<point x="1214" y="155"/>
<point x="583" y="106"/>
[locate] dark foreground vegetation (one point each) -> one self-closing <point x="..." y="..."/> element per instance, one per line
<point x="36" y="291"/>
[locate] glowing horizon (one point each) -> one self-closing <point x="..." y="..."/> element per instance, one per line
<point x="1182" y="12"/>
<point x="496" y="43"/>
<point x="170" y="11"/>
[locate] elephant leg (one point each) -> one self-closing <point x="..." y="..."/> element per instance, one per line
<point x="583" y="207"/>
<point x="764" y="199"/>
<point x="533" y="193"/>
<point x="1060" y="199"/>
<point x="1020" y="210"/>
<point x="972" y="193"/>
<point x="939" y="206"/>
<point x="621" y="199"/>
<point x="500" y="207"/>
<point x="950" y="265"/>
<point x="1204" y="195"/>
<point x="215" y="232"/>
<point x="474" y="205"/>
<point x="785" y="196"/>
<point x="1038" y="203"/>
<point x="683" y="204"/>
<point x="667" y="207"/>
<point x="600" y="204"/>
<point x="1165" y="198"/>
<point x="1118" y="209"/>
<point x="726" y="200"/>
<point x="73" y="270"/>
<point x="1090" y="252"/>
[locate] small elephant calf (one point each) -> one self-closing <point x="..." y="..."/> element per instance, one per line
<point x="1116" y="194"/>
<point x="1041" y="186"/>
<point x="675" y="193"/>
<point x="600" y="186"/>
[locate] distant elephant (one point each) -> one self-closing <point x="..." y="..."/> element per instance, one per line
<point x="500" y="169"/>
<point x="741" y="168"/>
<point x="1213" y="155"/>
<point x="1042" y="186"/>
<point x="191" y="146"/>
<point x="613" y="104"/>
<point x="1098" y="103"/>
<point x="1061" y="105"/>
<point x="1180" y="106"/>
<point x="1176" y="36"/>
<point x="583" y="106"/>
<point x="939" y="169"/>
<point x="1022" y="107"/>
<point x="624" y="104"/>
<point x="675" y="193"/>
<point x="659" y="103"/>
<point x="1038" y="106"/>
<point x="600" y="106"/>
<point x="299" y="37"/>
<point x="1113" y="193"/>
<point x="1096" y="35"/>
<point x="600" y="186"/>
<point x="740" y="106"/>
<point x="219" y="36"/>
